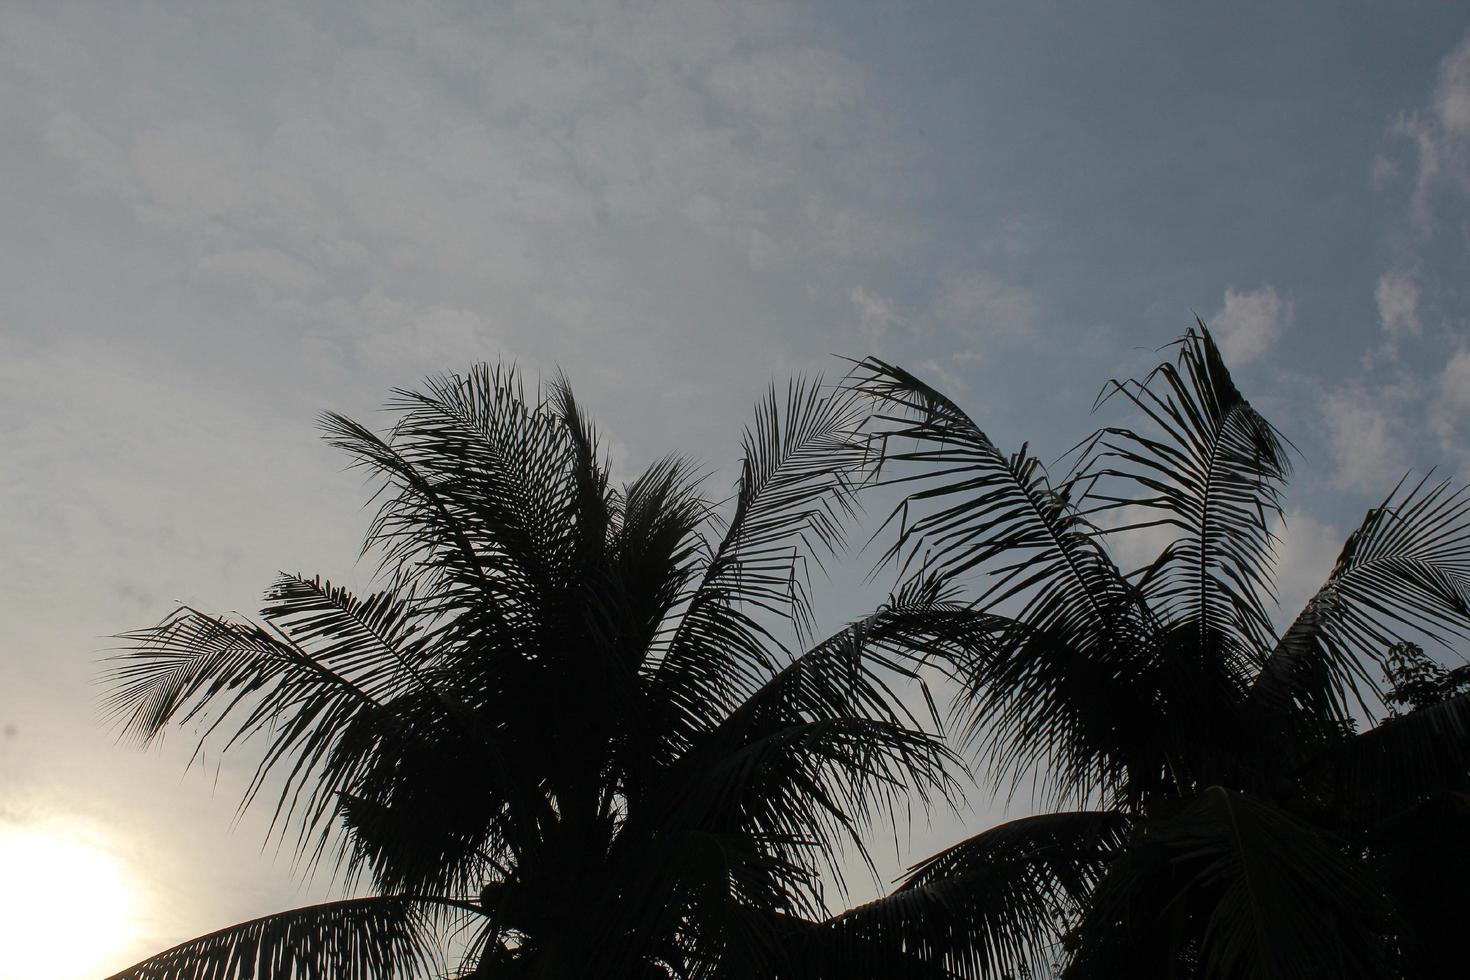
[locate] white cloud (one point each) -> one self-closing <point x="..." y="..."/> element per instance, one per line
<point x="1441" y="136"/>
<point x="192" y="172"/>
<point x="878" y="318"/>
<point x="1249" y="323"/>
<point x="1366" y="442"/>
<point x="262" y="266"/>
<point x="1450" y="413"/>
<point x="385" y="333"/>
<point x="1305" y="556"/>
<point x="977" y="303"/>
<point x="1452" y="97"/>
<point x="1397" y="296"/>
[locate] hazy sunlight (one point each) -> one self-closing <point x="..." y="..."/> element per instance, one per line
<point x="66" y="907"/>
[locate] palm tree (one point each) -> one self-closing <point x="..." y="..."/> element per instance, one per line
<point x="567" y="731"/>
<point x="1219" y="813"/>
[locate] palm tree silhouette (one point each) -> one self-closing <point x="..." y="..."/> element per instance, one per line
<point x="568" y="730"/>
<point x="1233" y="822"/>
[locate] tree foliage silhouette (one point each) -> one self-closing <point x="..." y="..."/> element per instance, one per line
<point x="1235" y="823"/>
<point x="568" y="724"/>
<point x="568" y="728"/>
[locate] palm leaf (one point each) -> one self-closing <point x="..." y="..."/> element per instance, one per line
<point x="194" y="667"/>
<point x="481" y="483"/>
<point x="759" y="806"/>
<point x="796" y="488"/>
<point x="1211" y="471"/>
<point x="994" y="905"/>
<point x="1405" y="569"/>
<point x="987" y="510"/>
<point x="1073" y="633"/>
<point x="372" y="641"/>
<point x="1239" y="889"/>
<point x="357" y="939"/>
<point x="1397" y="764"/>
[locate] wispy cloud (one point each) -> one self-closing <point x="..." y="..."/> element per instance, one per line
<point x="1440" y="137"/>
<point x="1249" y="322"/>
<point x="1450" y="411"/>
<point x="980" y="304"/>
<point x="560" y="173"/>
<point x="1397" y="296"/>
<point x="1304" y="558"/>
<point x="1366" y="438"/>
<point x="878" y="318"/>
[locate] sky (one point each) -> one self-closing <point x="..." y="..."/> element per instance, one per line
<point x="220" y="219"/>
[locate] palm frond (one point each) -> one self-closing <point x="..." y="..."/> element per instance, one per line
<point x="836" y="706"/>
<point x="416" y="526"/>
<point x="478" y="484"/>
<point x="372" y="641"/>
<point x="795" y="492"/>
<point x="1395" y="765"/>
<point x="1069" y="634"/>
<point x="1211" y="471"/>
<point x="197" y="668"/>
<point x="796" y="489"/>
<point x="981" y="509"/>
<point x="1238" y="888"/>
<point x="795" y="793"/>
<point x="358" y="939"/>
<point x="589" y="506"/>
<point x="1081" y="721"/>
<point x="410" y="849"/>
<point x="995" y="905"/>
<point x="1406" y="569"/>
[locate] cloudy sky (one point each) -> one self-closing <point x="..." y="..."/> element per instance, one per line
<point x="219" y="220"/>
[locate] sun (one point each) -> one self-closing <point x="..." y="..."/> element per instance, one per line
<point x="66" y="909"/>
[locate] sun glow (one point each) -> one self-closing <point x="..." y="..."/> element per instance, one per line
<point x="65" y="906"/>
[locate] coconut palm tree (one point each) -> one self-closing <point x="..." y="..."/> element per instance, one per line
<point x="1218" y="812"/>
<point x="572" y="730"/>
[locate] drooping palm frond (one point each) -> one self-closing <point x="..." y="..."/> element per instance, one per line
<point x="1069" y="634"/>
<point x="321" y="687"/>
<point x="373" y="641"/>
<point x="1406" y="569"/>
<point x="1082" y="722"/>
<point x="1211" y="471"/>
<point x="1237" y="887"/>
<point x="358" y="939"/>
<point x="210" y="671"/>
<point x="1396" y="765"/>
<point x="995" y="905"/>
<point x="408" y="850"/>
<point x="978" y="508"/>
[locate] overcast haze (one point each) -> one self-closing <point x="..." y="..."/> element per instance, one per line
<point x="219" y="220"/>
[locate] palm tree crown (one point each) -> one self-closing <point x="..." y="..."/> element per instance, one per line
<point x="567" y="728"/>
<point x="1236" y="825"/>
